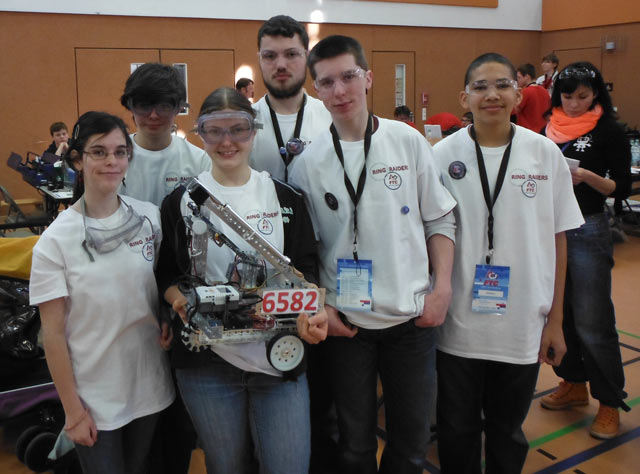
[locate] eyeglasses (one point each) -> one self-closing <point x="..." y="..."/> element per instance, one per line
<point x="212" y="131"/>
<point x="347" y="78"/>
<point x="577" y="73"/>
<point x="290" y="55"/>
<point x="163" y="109"/>
<point x="100" y="154"/>
<point x="482" y="87"/>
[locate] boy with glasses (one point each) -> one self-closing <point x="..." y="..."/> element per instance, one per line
<point x="154" y="94"/>
<point x="515" y="200"/>
<point x="290" y="117"/>
<point x="382" y="217"/>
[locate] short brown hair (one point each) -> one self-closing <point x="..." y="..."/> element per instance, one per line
<point x="57" y="126"/>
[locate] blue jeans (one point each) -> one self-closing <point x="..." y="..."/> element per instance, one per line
<point x="404" y="358"/>
<point x="469" y="388"/>
<point x="121" y="451"/>
<point x="233" y="410"/>
<point x="589" y="325"/>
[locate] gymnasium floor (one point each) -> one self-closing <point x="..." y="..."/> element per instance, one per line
<point x="559" y="440"/>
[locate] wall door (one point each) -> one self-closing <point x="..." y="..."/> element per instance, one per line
<point x="568" y="56"/>
<point x="206" y="71"/>
<point x="393" y="81"/>
<point x="102" y="73"/>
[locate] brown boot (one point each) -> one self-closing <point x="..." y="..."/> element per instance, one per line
<point x="567" y="395"/>
<point x="606" y="424"/>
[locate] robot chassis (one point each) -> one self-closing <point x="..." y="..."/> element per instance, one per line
<point x="226" y="314"/>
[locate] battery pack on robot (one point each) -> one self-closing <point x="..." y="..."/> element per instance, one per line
<point x="259" y="302"/>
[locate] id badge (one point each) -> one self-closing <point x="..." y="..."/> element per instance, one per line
<point x="490" y="289"/>
<point x="354" y="284"/>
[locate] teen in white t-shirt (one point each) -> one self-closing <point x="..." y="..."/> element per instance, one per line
<point x="93" y="279"/>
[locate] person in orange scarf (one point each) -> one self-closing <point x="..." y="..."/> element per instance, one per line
<point x="583" y="125"/>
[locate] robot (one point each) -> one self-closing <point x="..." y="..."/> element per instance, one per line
<point x="257" y="303"/>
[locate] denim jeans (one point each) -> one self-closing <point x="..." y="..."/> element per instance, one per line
<point x="404" y="358"/>
<point x="121" y="451"/>
<point x="589" y="325"/>
<point x="469" y="388"/>
<point x="230" y="408"/>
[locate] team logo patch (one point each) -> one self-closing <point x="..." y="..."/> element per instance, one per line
<point x="148" y="251"/>
<point x="252" y="216"/>
<point x="392" y="180"/>
<point x="265" y="226"/>
<point x="517" y="177"/>
<point x="529" y="188"/>
<point x="457" y="170"/>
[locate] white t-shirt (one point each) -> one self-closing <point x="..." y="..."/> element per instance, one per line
<point x="257" y="203"/>
<point x="535" y="203"/>
<point x="401" y="173"/>
<point x="154" y="174"/>
<point x="265" y="155"/>
<point x="112" y="332"/>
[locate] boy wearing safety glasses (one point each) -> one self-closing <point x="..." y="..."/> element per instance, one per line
<point x="291" y="118"/>
<point x="154" y="94"/>
<point x="515" y="201"/>
<point x="382" y="217"/>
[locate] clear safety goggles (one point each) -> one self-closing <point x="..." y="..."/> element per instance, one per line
<point x="213" y="127"/>
<point x="483" y="87"/>
<point x="107" y="240"/>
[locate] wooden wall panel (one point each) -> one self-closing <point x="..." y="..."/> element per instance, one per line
<point x="38" y="70"/>
<point x="568" y="14"/>
<point x="619" y="67"/>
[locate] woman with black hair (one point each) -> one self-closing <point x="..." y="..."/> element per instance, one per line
<point x="583" y="125"/>
<point x="92" y="277"/>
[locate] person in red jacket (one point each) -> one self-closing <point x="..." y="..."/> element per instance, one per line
<point x="535" y="100"/>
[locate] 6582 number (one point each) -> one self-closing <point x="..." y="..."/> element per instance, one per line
<point x="290" y="301"/>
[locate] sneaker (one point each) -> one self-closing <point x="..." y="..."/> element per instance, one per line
<point x="606" y="424"/>
<point x="567" y="395"/>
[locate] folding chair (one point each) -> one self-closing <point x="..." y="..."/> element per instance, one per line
<point x="17" y="219"/>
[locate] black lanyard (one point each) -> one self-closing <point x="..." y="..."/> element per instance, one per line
<point x="485" y="184"/>
<point x="286" y="156"/>
<point x="355" y="196"/>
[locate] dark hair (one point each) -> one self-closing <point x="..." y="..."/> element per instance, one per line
<point x="154" y="83"/>
<point x="488" y="58"/>
<point x="402" y="110"/>
<point x="283" y="25"/>
<point x="579" y="74"/>
<point x="89" y="124"/>
<point x="527" y="69"/>
<point x="468" y="116"/>
<point x="333" y="46"/>
<point x="243" y="82"/>
<point x="56" y="127"/>
<point x="226" y="98"/>
<point x="552" y="58"/>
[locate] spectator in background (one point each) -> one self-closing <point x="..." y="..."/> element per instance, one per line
<point x="550" y="68"/>
<point x="404" y="114"/>
<point x="245" y="87"/>
<point x="535" y="100"/>
<point x="583" y="125"/>
<point x="60" y="135"/>
<point x="449" y="123"/>
<point x="466" y="119"/>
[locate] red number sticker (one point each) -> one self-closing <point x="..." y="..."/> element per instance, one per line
<point x="290" y="301"/>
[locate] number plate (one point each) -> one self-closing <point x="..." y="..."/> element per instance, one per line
<point x="291" y="301"/>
